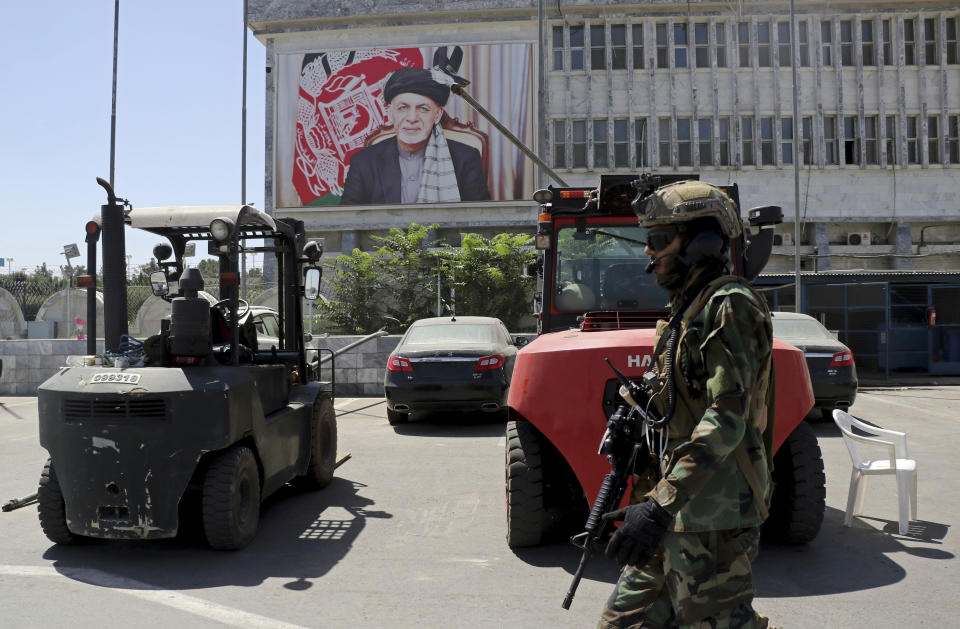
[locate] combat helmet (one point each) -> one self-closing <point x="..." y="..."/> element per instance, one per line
<point x="685" y="201"/>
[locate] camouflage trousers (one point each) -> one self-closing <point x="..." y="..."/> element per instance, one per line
<point x="696" y="581"/>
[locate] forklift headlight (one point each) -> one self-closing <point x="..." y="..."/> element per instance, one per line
<point x="221" y="229"/>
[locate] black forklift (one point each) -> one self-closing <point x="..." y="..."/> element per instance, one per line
<point x="197" y="412"/>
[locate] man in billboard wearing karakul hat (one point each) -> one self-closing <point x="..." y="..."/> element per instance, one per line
<point x="419" y="164"/>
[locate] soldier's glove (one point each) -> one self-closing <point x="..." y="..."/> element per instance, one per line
<point x="640" y="535"/>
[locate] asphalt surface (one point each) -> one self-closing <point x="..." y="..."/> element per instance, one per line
<point x="411" y="534"/>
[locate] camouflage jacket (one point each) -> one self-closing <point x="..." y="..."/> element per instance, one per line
<point x="719" y="365"/>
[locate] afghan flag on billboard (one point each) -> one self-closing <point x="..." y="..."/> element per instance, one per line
<point x="340" y="104"/>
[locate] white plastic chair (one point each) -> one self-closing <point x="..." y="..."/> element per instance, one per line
<point x="896" y="463"/>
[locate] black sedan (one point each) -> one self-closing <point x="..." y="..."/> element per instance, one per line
<point x="444" y="364"/>
<point x="830" y="362"/>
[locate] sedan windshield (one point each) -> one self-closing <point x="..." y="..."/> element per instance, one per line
<point x="799" y="329"/>
<point x="602" y="268"/>
<point x="456" y="334"/>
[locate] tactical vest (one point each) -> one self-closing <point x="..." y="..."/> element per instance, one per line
<point x="690" y="377"/>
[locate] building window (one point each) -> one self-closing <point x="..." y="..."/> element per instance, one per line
<point x="684" y="143"/>
<point x="866" y="40"/>
<point x="763" y="44"/>
<point x="933" y="139"/>
<point x="640" y="142"/>
<point x="953" y="139"/>
<point x="705" y="141"/>
<point x="887" y="44"/>
<point x="724" y="140"/>
<point x="579" y="143"/>
<point x="783" y="42"/>
<point x="831" y="154"/>
<point x="804" y="44"/>
<point x="618" y="47"/>
<point x="807" y="123"/>
<point x="701" y="36"/>
<point x="846" y="42"/>
<point x="953" y="56"/>
<point x="743" y="43"/>
<point x="870" y="139"/>
<point x="558" y="48"/>
<point x="559" y="144"/>
<point x="637" y="46"/>
<point x="666" y="140"/>
<point x="662" y="46"/>
<point x="746" y="127"/>
<point x="721" y="40"/>
<point x="913" y="140"/>
<point x="576" y="47"/>
<point x="767" y="157"/>
<point x="680" y="45"/>
<point x="621" y="143"/>
<point x="930" y="41"/>
<point x="891" y="140"/>
<point x="851" y="141"/>
<point x="909" y="42"/>
<point x="600" y="143"/>
<point x="786" y="140"/>
<point x="598" y="48"/>
<point x="826" y="35"/>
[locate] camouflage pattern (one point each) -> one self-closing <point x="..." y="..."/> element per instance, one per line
<point x="702" y="575"/>
<point x="684" y="201"/>
<point x="697" y="580"/>
<point x="720" y="354"/>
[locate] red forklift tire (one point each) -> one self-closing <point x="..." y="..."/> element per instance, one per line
<point x="231" y="499"/>
<point x="323" y="444"/>
<point x="51" y="508"/>
<point x="799" y="494"/>
<point x="526" y="515"/>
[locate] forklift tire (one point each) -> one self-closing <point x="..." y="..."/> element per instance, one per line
<point x="323" y="444"/>
<point x="396" y="417"/>
<point x="526" y="514"/>
<point x="231" y="499"/>
<point x="799" y="495"/>
<point x="51" y="508"/>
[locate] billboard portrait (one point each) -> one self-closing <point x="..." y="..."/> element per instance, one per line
<point x="380" y="126"/>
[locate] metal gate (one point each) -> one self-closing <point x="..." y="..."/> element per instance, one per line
<point x="859" y="314"/>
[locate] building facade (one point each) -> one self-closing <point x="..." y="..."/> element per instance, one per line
<point x="699" y="87"/>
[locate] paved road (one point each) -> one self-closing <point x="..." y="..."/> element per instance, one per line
<point x="411" y="534"/>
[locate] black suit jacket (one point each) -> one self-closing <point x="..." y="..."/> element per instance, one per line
<point x="374" y="175"/>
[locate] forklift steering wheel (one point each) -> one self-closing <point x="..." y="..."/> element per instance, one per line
<point x="224" y="307"/>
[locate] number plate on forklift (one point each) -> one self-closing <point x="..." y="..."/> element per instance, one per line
<point x="120" y="378"/>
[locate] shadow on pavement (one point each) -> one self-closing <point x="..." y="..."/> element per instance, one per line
<point x="302" y="536"/>
<point x="565" y="555"/>
<point x="843" y="559"/>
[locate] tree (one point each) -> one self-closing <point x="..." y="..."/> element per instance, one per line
<point x="489" y="277"/>
<point x="404" y="265"/>
<point x="353" y="306"/>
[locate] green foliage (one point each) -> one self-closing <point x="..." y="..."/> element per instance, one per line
<point x="398" y="283"/>
<point x="353" y="307"/>
<point x="405" y="268"/>
<point x="489" y="277"/>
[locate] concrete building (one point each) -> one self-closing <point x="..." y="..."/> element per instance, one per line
<point x="696" y="86"/>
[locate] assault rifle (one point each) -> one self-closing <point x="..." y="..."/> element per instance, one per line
<point x="624" y="445"/>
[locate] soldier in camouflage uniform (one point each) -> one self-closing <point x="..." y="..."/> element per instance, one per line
<point x="689" y="535"/>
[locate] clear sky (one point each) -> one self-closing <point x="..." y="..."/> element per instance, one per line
<point x="178" y="132"/>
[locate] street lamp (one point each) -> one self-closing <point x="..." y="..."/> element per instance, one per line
<point x="70" y="251"/>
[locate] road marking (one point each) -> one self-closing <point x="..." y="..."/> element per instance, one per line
<point x="154" y="594"/>
<point x="9" y="405"/>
